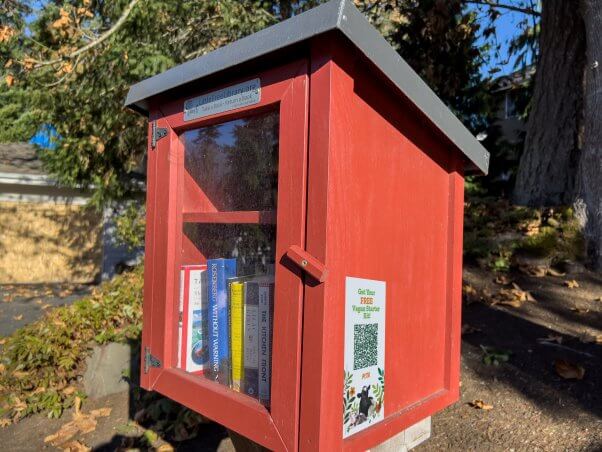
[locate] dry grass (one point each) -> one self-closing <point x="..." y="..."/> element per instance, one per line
<point x="48" y="243"/>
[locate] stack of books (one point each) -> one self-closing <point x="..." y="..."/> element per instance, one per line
<point x="225" y="329"/>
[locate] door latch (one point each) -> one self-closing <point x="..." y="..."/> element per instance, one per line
<point x="156" y="134"/>
<point x="308" y="263"/>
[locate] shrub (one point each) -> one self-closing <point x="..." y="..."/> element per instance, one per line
<point x="40" y="362"/>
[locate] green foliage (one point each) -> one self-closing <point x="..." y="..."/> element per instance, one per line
<point x="16" y="111"/>
<point x="559" y="238"/>
<point x="495" y="231"/>
<point x="131" y="224"/>
<point x="494" y="356"/>
<point x="438" y="39"/>
<point x="41" y="361"/>
<point x="541" y="244"/>
<point x="82" y="94"/>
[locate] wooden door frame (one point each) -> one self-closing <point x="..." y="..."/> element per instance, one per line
<point x="284" y="88"/>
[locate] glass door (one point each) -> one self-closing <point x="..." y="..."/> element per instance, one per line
<point x="229" y="252"/>
<point x="225" y="322"/>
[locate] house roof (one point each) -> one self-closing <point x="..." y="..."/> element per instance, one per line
<point x="19" y="158"/>
<point x="335" y="16"/>
<point x="517" y="79"/>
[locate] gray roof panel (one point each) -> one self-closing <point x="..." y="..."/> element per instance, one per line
<point x="339" y="15"/>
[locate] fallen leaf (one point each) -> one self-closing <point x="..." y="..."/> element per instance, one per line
<point x="470" y="293"/>
<point x="590" y="338"/>
<point x="101" y="412"/>
<point x="3" y="341"/>
<point x="512" y="303"/>
<point x="10" y="80"/>
<point x="18" y="405"/>
<point x="553" y="272"/>
<point x="551" y="338"/>
<point x="572" y="284"/>
<point x="4" y="422"/>
<point x="64" y="434"/>
<point x="502" y="279"/>
<point x="20" y="374"/>
<point x="75" y="446"/>
<point x="77" y="404"/>
<point x="536" y="271"/>
<point x="479" y="404"/>
<point x="85" y="424"/>
<point x="165" y="448"/>
<point x="2" y="368"/>
<point x="46" y="306"/>
<point x="18" y="317"/>
<point x="39" y="390"/>
<point x="568" y="370"/>
<point x="69" y="390"/>
<point x="38" y="301"/>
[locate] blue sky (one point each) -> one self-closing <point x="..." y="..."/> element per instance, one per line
<point x="507" y="27"/>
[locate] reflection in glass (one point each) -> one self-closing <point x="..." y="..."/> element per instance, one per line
<point x="227" y="272"/>
<point x="236" y="163"/>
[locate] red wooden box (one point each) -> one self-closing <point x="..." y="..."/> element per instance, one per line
<point x="369" y="168"/>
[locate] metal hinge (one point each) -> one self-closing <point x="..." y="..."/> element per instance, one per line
<point x="156" y="134"/>
<point x="150" y="360"/>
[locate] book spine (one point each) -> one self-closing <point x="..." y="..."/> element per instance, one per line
<point x="236" y="333"/>
<point x="251" y="339"/>
<point x="181" y="307"/>
<point x="219" y="271"/>
<point x="196" y="328"/>
<point x="266" y="303"/>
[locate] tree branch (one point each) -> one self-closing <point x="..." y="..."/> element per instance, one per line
<point x="103" y="37"/>
<point x="494" y="4"/>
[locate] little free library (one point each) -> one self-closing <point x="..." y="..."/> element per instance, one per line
<point x="304" y="236"/>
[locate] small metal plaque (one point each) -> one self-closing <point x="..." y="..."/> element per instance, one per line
<point x="230" y="98"/>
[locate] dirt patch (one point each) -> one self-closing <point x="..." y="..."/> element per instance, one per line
<point x="534" y="408"/>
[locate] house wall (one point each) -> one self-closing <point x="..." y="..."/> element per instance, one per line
<point x="49" y="242"/>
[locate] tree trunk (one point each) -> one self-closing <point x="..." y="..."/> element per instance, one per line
<point x="589" y="173"/>
<point x="546" y="174"/>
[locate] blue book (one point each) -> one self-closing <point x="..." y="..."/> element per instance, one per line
<point x="218" y="272"/>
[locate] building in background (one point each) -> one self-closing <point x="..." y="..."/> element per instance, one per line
<point x="47" y="234"/>
<point x="511" y="94"/>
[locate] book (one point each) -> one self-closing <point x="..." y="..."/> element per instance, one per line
<point x="266" y="313"/>
<point x="236" y="333"/>
<point x="251" y="338"/>
<point x="219" y="271"/>
<point x="193" y="353"/>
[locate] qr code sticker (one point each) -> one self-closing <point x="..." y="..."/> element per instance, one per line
<point x="365" y="345"/>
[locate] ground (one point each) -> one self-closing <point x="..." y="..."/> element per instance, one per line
<point x="528" y="404"/>
<point x="21" y="304"/>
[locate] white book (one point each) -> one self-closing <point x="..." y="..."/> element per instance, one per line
<point x="194" y="353"/>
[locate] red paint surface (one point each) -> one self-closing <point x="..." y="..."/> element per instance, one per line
<point x="368" y="190"/>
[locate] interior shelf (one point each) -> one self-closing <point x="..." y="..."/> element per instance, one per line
<point x="236" y="217"/>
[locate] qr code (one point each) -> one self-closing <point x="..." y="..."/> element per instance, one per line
<point x="365" y="345"/>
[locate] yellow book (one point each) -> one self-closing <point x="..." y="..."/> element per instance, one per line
<point x="236" y="333"/>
